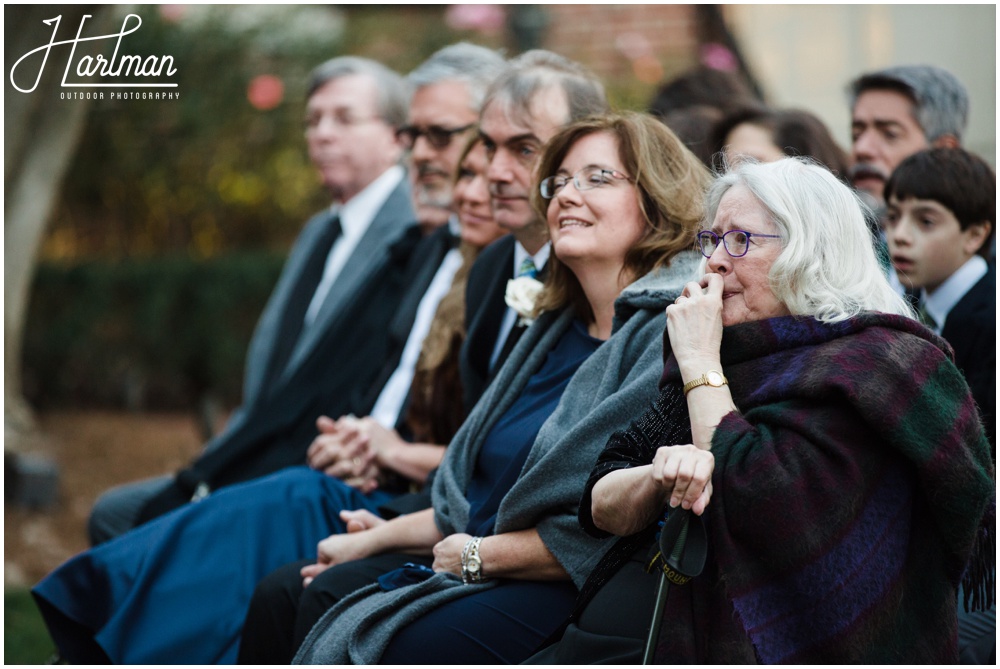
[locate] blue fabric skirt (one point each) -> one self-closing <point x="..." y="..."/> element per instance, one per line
<point x="176" y="590"/>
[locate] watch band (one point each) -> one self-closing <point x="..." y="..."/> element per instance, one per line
<point x="713" y="378"/>
<point x="472" y="564"/>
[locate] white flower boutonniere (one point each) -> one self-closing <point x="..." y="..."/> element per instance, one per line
<point x="521" y="295"/>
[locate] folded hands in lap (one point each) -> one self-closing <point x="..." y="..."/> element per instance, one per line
<point x="349" y="449"/>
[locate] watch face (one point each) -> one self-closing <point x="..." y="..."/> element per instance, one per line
<point x="714" y="379"/>
<point x="474" y="566"/>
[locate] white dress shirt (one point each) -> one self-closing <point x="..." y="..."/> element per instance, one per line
<point x="510" y="316"/>
<point x="356" y="215"/>
<point x="390" y="400"/>
<point x="940" y="303"/>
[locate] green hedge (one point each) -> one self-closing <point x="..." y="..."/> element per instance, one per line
<point x="156" y="333"/>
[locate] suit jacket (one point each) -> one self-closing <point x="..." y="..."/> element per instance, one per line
<point x="367" y="260"/>
<point x="423" y="265"/>
<point x="484" y="311"/>
<point x="330" y="371"/>
<point x="971" y="330"/>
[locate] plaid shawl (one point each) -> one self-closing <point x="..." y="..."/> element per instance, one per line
<point x="848" y="495"/>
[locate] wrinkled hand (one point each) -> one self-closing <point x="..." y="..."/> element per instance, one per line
<point x="448" y="553"/>
<point x="336" y="549"/>
<point x="686" y="471"/>
<point x="694" y="323"/>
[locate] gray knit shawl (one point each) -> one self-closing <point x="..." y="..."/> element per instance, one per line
<point x="610" y="389"/>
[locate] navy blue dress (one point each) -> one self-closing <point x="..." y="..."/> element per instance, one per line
<point x="511" y="620"/>
<point x="176" y="590"/>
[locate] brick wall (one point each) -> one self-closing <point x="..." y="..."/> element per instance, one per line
<point x="625" y="41"/>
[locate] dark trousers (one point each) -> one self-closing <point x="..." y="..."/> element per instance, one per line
<point x="282" y="612"/>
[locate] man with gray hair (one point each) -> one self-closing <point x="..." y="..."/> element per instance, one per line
<point x="538" y="93"/>
<point x="898" y="111"/>
<point x="449" y="88"/>
<point x="320" y="340"/>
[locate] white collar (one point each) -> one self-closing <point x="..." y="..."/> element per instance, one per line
<point x="540" y="258"/>
<point x="357" y="213"/>
<point x="940" y="303"/>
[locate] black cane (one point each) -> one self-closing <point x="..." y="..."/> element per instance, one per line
<point x="683" y="547"/>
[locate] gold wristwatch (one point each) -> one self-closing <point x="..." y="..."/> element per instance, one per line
<point x="712" y="378"/>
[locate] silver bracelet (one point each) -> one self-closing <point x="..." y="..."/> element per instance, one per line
<point x="472" y="564"/>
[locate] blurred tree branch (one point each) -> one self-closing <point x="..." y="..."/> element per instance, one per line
<point x="40" y="138"/>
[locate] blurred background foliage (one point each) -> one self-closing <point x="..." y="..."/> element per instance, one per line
<point x="207" y="173"/>
<point x="157" y="332"/>
<point x="176" y="215"/>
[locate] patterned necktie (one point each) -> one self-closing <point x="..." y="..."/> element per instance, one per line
<point x="527" y="268"/>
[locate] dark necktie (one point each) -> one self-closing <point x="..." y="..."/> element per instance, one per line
<point x="301" y="296"/>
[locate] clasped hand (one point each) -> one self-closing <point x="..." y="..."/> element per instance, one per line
<point x="355" y="545"/>
<point x="343" y="450"/>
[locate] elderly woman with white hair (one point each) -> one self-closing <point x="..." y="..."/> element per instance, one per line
<point x="825" y="438"/>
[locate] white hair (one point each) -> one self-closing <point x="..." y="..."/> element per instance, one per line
<point x="827" y="267"/>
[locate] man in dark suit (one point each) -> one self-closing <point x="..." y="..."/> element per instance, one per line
<point x="319" y="332"/>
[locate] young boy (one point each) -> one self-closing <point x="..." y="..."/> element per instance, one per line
<point x="939" y="226"/>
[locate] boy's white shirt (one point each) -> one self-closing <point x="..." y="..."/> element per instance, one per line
<point x="940" y="303"/>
